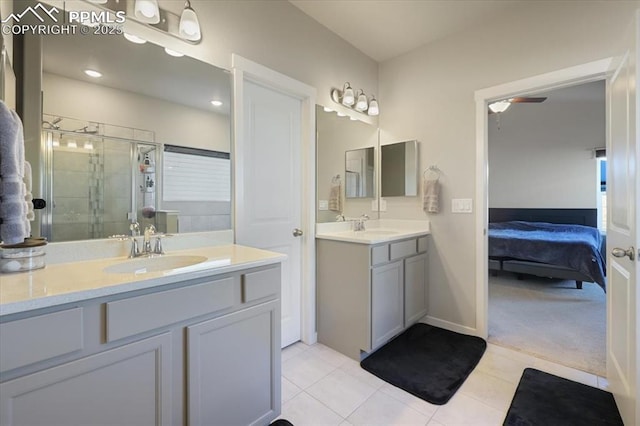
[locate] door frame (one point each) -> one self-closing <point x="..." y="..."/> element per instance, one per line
<point x="242" y="69"/>
<point x="591" y="71"/>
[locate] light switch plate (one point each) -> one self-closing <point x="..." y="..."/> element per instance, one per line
<point x="461" y="205"/>
<point x="374" y="205"/>
<point x="383" y="205"/>
<point x="323" y="205"/>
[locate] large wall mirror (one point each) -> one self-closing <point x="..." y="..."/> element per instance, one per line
<point x="399" y="169"/>
<point x="147" y="141"/>
<point x="346" y="155"/>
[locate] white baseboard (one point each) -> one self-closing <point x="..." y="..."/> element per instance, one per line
<point x="451" y="326"/>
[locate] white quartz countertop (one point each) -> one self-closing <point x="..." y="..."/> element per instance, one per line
<point x="63" y="283"/>
<point x="376" y="231"/>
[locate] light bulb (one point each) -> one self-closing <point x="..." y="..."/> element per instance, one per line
<point x="93" y="73"/>
<point x="174" y="53"/>
<point x="147" y="11"/>
<point x="500" y="106"/>
<point x="348" y="98"/>
<point x="134" y="39"/>
<point x="189" y="28"/>
<point x="373" y="107"/>
<point x="361" y="105"/>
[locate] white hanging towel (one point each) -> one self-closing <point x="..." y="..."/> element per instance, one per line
<point x="431" y="196"/>
<point x="335" y="196"/>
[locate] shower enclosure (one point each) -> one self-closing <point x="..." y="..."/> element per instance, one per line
<point x="99" y="179"/>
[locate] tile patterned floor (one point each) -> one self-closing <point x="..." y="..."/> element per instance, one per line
<point x="323" y="387"/>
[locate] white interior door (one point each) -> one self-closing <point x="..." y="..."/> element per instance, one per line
<point x="623" y="297"/>
<point x="270" y="207"/>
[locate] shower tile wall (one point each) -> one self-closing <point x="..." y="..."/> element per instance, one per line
<point x="91" y="191"/>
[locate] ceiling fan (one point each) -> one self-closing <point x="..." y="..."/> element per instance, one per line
<point x="501" y="106"/>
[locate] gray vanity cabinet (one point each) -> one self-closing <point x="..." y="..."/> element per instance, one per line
<point x="367" y="294"/>
<point x="387" y="300"/>
<point x="129" y="385"/>
<point x="233" y="360"/>
<point x="204" y="351"/>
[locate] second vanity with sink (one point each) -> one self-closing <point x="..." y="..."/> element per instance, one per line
<point x="169" y="340"/>
<point x="371" y="284"/>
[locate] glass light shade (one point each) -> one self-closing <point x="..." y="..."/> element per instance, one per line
<point x="500" y="106"/>
<point x="362" y="104"/>
<point x="88" y="145"/>
<point x="174" y="53"/>
<point x="147" y="11"/>
<point x="341" y="114"/>
<point x="373" y="107"/>
<point x="327" y="109"/>
<point x="189" y="24"/>
<point x="348" y="98"/>
<point x="72" y="144"/>
<point x="134" y="39"/>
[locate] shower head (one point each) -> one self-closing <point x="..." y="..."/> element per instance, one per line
<point x="90" y="130"/>
<point x="53" y="124"/>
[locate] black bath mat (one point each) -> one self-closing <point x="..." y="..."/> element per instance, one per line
<point x="428" y="362"/>
<point x="545" y="399"/>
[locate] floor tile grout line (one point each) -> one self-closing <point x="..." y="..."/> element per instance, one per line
<point x="325" y="405"/>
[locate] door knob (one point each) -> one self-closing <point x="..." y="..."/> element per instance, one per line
<point x="297" y="232"/>
<point x="618" y="252"/>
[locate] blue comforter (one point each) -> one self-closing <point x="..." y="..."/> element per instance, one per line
<point x="573" y="246"/>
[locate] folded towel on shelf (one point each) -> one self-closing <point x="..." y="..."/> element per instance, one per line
<point x="335" y="197"/>
<point x="14" y="226"/>
<point x="431" y="196"/>
<point x="28" y="182"/>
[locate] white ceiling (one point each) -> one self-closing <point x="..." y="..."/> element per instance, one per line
<point x="384" y="29"/>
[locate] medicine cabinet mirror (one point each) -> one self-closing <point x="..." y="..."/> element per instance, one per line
<point x="399" y="169"/>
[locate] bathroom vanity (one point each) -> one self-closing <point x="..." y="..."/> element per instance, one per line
<point x="96" y="342"/>
<point x="371" y="285"/>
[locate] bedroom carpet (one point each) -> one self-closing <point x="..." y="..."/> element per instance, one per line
<point x="550" y="319"/>
<point x="545" y="399"/>
<point x="426" y="361"/>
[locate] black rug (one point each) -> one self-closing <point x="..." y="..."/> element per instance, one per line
<point x="426" y="361"/>
<point x="545" y="399"/>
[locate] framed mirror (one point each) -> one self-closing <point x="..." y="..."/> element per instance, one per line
<point x="105" y="138"/>
<point x="399" y="169"/>
<point x="359" y="166"/>
<point x="336" y="136"/>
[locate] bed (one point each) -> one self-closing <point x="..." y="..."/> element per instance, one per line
<point x="555" y="243"/>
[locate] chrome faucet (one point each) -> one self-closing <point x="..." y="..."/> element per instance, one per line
<point x="358" y="224"/>
<point x="149" y="231"/>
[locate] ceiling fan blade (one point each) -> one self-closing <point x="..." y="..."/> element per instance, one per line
<point x="524" y="99"/>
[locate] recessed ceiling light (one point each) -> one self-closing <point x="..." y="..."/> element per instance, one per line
<point x="216" y="103"/>
<point x="134" y="39"/>
<point x="93" y="73"/>
<point x="173" y="52"/>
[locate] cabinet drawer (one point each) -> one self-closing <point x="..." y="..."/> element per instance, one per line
<point x="259" y="284"/>
<point x="36" y="339"/>
<point x="402" y="249"/>
<point x="422" y="244"/>
<point x="135" y="315"/>
<point x="379" y="254"/>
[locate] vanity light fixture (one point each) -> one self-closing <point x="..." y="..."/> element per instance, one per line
<point x="134" y="39"/>
<point x="93" y="73"/>
<point x="189" y="28"/>
<point x="147" y="11"/>
<point x="500" y="106"/>
<point x="216" y="103"/>
<point x="173" y="53"/>
<point x="357" y="103"/>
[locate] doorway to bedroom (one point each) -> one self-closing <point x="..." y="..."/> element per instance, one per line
<point x="545" y="162"/>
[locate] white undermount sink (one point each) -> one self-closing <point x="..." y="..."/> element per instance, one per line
<point x="153" y="264"/>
